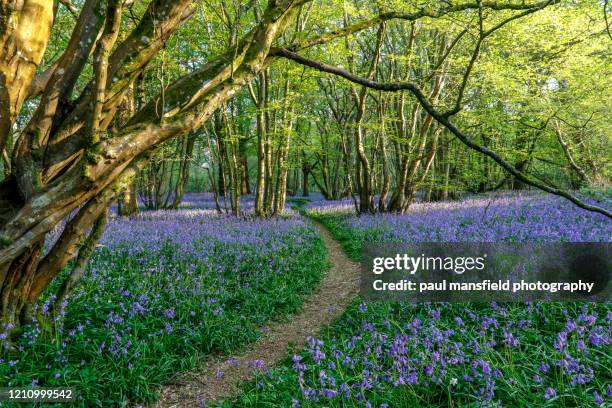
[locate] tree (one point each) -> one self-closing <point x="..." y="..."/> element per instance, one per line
<point x="69" y="161"/>
<point x="66" y="159"/>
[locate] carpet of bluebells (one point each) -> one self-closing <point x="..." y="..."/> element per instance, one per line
<point x="207" y="200"/>
<point x="403" y="354"/>
<point x="503" y="217"/>
<point x="163" y="290"/>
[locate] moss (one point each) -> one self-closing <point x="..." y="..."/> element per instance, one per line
<point x="87" y="173"/>
<point x="36" y="177"/>
<point x="4" y="241"/>
<point x="123" y="183"/>
<point x="94" y="152"/>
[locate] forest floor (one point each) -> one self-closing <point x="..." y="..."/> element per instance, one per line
<point x="443" y="354"/>
<point x="221" y="375"/>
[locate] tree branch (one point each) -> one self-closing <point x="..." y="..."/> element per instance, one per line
<point x="440" y="118"/>
<point x="71" y="8"/>
<point x="196" y="102"/>
<point x="63" y="76"/>
<point x="85" y="252"/>
<point x="129" y="59"/>
<point x="482" y="35"/>
<point x="101" y="55"/>
<point x="423" y="12"/>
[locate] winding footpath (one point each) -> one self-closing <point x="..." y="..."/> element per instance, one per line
<point x="337" y="288"/>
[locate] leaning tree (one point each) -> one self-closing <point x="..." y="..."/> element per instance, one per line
<point x="68" y="162"/>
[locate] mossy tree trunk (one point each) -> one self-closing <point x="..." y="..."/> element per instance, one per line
<point x="68" y="161"/>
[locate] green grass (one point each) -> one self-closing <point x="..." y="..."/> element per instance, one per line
<point x="140" y="318"/>
<point x="351" y="240"/>
<point x="358" y="333"/>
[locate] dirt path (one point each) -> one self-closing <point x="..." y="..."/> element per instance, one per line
<point x="338" y="286"/>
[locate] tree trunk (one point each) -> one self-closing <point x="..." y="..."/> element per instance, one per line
<point x="364" y="170"/>
<point x="233" y="165"/>
<point x="382" y="202"/>
<point x="220" y="144"/>
<point x="183" y="177"/>
<point x="262" y="128"/>
<point x="283" y="153"/>
<point x="76" y="174"/>
<point x="213" y="182"/>
<point x="569" y="156"/>
<point x="244" y="166"/>
<point x="16" y="280"/>
<point x="85" y="252"/>
<point x="128" y="203"/>
<point x="445" y="190"/>
<point x="25" y="28"/>
<point x="306" y="169"/>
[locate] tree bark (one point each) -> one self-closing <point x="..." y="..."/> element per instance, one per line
<point x="244" y="166"/>
<point x="25" y="28"/>
<point x="262" y="137"/>
<point x="306" y="169"/>
<point x="386" y="183"/>
<point x="85" y="252"/>
<point x="76" y="173"/>
<point x="128" y="203"/>
<point x="364" y="171"/>
<point x="185" y="164"/>
<point x="283" y="153"/>
<point x="568" y="154"/>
